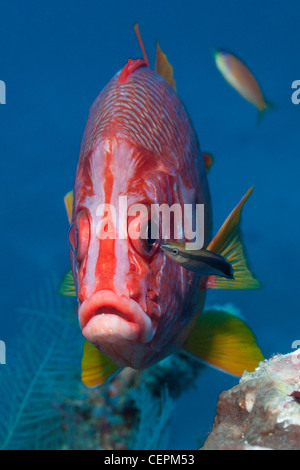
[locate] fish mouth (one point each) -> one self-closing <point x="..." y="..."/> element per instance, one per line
<point x="105" y="316"/>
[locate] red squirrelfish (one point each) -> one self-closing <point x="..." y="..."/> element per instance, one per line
<point x="137" y="303"/>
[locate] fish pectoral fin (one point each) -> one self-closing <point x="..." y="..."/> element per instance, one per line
<point x="223" y="340"/>
<point x="67" y="286"/>
<point x="68" y="200"/>
<point x="208" y="160"/>
<point x="228" y="242"/>
<point x="163" y="67"/>
<point x="96" y="368"/>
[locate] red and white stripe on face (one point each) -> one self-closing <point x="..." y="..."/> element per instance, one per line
<point x="111" y="169"/>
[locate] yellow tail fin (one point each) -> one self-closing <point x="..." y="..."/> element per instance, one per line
<point x="228" y="243"/>
<point x="224" y="341"/>
<point x="163" y="67"/>
<point x="96" y="368"/>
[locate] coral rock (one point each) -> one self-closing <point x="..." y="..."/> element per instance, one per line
<point x="262" y="411"/>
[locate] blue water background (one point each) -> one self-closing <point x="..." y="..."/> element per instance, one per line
<point x="57" y="56"/>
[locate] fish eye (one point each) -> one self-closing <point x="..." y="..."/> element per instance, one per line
<point x="79" y="236"/>
<point x="175" y="251"/>
<point x="147" y="243"/>
<point x="149" y="240"/>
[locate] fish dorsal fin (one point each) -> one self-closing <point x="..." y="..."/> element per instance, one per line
<point x="67" y="287"/>
<point x="96" y="368"/>
<point x="228" y="243"/>
<point x="68" y="199"/>
<point x="208" y="160"/>
<point x="223" y="340"/>
<point x="163" y="67"/>
<point x="141" y="43"/>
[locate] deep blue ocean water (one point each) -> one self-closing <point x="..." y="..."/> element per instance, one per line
<point x="57" y="56"/>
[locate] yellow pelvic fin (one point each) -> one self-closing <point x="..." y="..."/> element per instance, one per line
<point x="228" y="243"/>
<point x="96" y="368"/>
<point x="67" y="286"/>
<point x="68" y="199"/>
<point x="208" y="160"/>
<point x="163" y="67"/>
<point x="224" y="341"/>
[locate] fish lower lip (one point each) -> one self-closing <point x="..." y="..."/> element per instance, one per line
<point x="105" y="306"/>
<point x="110" y="311"/>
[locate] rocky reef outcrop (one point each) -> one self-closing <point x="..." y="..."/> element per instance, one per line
<point x="262" y="411"/>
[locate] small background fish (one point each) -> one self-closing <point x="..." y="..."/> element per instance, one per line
<point x="239" y="76"/>
<point x="53" y="69"/>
